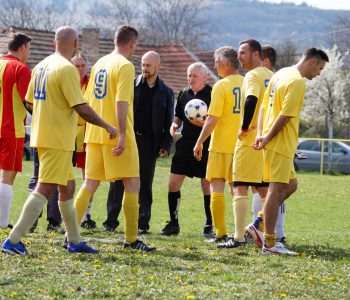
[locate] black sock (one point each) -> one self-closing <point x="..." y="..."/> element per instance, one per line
<point x="174" y="203"/>
<point x="207" y="210"/>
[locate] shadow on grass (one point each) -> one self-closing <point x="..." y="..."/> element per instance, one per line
<point x="324" y="252"/>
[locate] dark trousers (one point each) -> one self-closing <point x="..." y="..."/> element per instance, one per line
<point x="53" y="212"/>
<point x="147" y="159"/>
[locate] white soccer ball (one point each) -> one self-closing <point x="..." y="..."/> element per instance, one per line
<point x="196" y="109"/>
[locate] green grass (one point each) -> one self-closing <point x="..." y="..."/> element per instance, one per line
<point x="184" y="267"/>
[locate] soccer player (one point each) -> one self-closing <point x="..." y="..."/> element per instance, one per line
<point x="80" y="62"/>
<point x="183" y="163"/>
<point x="223" y="122"/>
<point x="248" y="162"/>
<point x="55" y="96"/>
<point x="14" y="80"/>
<point x="283" y="101"/>
<point x="110" y="92"/>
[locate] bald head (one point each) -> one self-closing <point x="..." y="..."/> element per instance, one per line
<point x="152" y="56"/>
<point x="65" y="34"/>
<point x="150" y="64"/>
<point x="66" y="41"/>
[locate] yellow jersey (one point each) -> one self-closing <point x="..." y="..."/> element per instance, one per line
<point x="254" y="84"/>
<point x="54" y="90"/>
<point x="111" y="80"/>
<point x="225" y="104"/>
<point x="284" y="96"/>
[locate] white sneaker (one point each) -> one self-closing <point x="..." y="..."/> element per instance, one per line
<point x="278" y="249"/>
<point x="255" y="234"/>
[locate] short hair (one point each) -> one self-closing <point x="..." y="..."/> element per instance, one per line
<point x="18" y="39"/>
<point x="79" y="55"/>
<point x="254" y="45"/>
<point x="228" y="53"/>
<point x="202" y="67"/>
<point x="270" y="53"/>
<point x="125" y="34"/>
<point x="317" y="53"/>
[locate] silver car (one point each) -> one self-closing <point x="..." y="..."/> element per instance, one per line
<point x="312" y="150"/>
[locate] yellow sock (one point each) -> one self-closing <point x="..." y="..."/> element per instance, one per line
<point x="70" y="220"/>
<point x="131" y="215"/>
<point x="263" y="202"/>
<point x="81" y="203"/>
<point x="218" y="207"/>
<point x="270" y="240"/>
<point x="261" y="224"/>
<point x="240" y="210"/>
<point x="30" y="213"/>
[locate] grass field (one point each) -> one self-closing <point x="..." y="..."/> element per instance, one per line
<point x="184" y="267"/>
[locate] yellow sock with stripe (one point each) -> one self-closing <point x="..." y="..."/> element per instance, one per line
<point x="261" y="223"/>
<point x="30" y="213"/>
<point x="131" y="215"/>
<point x="270" y="240"/>
<point x="81" y="203"/>
<point x="240" y="210"/>
<point x="70" y="220"/>
<point x="218" y="208"/>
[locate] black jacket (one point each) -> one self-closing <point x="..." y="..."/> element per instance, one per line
<point x="162" y="113"/>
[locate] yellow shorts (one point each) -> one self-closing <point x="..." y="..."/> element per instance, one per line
<point x="101" y="164"/>
<point x="219" y="166"/>
<point x="248" y="164"/>
<point x="278" y="168"/>
<point x="55" y="166"/>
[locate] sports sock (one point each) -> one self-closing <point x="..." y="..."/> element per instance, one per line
<point x="174" y="199"/>
<point x="256" y="205"/>
<point x="5" y="204"/>
<point x="279" y="228"/>
<point x="31" y="210"/>
<point x="240" y="210"/>
<point x="70" y="220"/>
<point x="88" y="210"/>
<point x="259" y="221"/>
<point x="131" y="215"/>
<point x="218" y="208"/>
<point x="81" y="202"/>
<point x="209" y="220"/>
<point x="270" y="240"/>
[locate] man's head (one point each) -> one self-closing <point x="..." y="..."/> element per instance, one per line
<point x="80" y="62"/>
<point x="125" y="39"/>
<point x="312" y="63"/>
<point x="225" y="60"/>
<point x="19" y="45"/>
<point x="197" y="74"/>
<point x="269" y="56"/>
<point x="249" y="54"/>
<point x="66" y="41"/>
<point x="150" y="64"/>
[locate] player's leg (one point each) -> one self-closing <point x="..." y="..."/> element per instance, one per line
<point x="218" y="206"/>
<point x="208" y="227"/>
<point x="240" y="201"/>
<point x="114" y="205"/>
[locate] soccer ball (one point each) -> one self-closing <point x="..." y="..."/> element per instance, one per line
<point x="196" y="109"/>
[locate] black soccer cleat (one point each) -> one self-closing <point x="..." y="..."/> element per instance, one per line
<point x="138" y="245"/>
<point x="170" y="229"/>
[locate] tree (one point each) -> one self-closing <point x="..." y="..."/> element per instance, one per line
<point x="286" y="54"/>
<point x="326" y="100"/>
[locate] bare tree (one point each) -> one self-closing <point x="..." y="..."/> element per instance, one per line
<point x="286" y="54"/>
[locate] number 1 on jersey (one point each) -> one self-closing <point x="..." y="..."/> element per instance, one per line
<point x="40" y="84"/>
<point x="237" y="100"/>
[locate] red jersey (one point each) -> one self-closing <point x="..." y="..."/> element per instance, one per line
<point x="14" y="81"/>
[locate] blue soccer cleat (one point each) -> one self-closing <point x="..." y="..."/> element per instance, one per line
<point x="81" y="248"/>
<point x="14" y="249"/>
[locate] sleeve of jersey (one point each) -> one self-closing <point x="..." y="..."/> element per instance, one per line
<point x="30" y="91"/>
<point x="71" y="86"/>
<point x="292" y="96"/>
<point x="125" y="84"/>
<point x="253" y="87"/>
<point x="178" y="111"/>
<point x="22" y="81"/>
<point x="217" y="100"/>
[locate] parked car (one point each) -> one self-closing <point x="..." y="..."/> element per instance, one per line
<point x="312" y="150"/>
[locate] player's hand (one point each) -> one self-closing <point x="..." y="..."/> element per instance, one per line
<point x="244" y="133"/>
<point x="163" y="153"/>
<point x="112" y="132"/>
<point x="173" y="129"/>
<point x="121" y="146"/>
<point x="260" y="142"/>
<point x="197" y="122"/>
<point x="197" y="151"/>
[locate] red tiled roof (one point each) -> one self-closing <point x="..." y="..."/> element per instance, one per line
<point x="174" y="58"/>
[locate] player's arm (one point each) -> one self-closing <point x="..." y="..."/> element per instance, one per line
<point x="249" y="109"/>
<point x="121" y="114"/>
<point x="175" y="125"/>
<point x="166" y="138"/>
<point x="89" y="115"/>
<point x="207" y="129"/>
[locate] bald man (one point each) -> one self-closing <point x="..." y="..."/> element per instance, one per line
<point x="55" y="98"/>
<point x="153" y="113"/>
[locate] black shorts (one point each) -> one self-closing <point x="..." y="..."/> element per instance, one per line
<point x="184" y="163"/>
<point x="255" y="184"/>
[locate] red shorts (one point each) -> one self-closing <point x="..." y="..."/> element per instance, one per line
<point x="11" y="153"/>
<point x="80" y="159"/>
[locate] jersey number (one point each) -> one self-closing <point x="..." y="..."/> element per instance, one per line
<point x="40" y="84"/>
<point x="237" y="100"/>
<point x="100" y="89"/>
